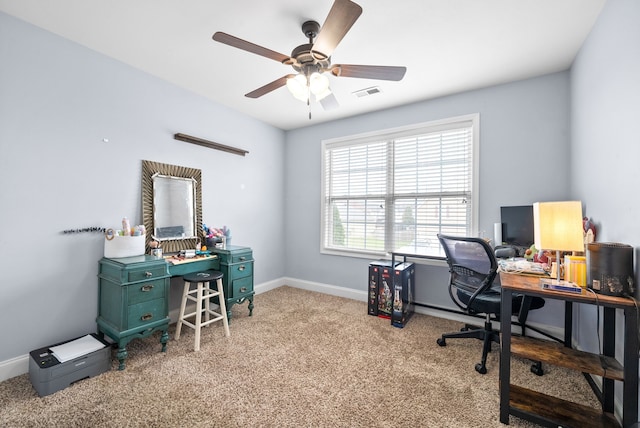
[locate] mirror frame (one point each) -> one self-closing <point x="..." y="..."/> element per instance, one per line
<point x="149" y="169"/>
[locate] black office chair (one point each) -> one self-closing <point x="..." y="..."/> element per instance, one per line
<point x="474" y="286"/>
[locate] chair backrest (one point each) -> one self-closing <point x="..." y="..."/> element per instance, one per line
<point x="472" y="265"/>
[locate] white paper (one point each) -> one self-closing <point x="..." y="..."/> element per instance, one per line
<point x="76" y="348"/>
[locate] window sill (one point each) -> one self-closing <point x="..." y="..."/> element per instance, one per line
<point x="414" y="258"/>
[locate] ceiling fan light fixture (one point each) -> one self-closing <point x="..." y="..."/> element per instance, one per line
<point x="297" y="85"/>
<point x="312" y="61"/>
<point x="318" y="83"/>
<point x="322" y="95"/>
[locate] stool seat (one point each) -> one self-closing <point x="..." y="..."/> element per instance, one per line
<point x="209" y="275"/>
<point x="202" y="295"/>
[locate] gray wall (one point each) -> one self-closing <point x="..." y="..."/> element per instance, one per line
<point x="605" y="107"/>
<point x="524" y="153"/>
<point x="58" y="101"/>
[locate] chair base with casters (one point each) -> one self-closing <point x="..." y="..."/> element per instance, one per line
<point x="489" y="335"/>
<point x="474" y="286"/>
<point x="486" y="334"/>
<point x="202" y="295"/>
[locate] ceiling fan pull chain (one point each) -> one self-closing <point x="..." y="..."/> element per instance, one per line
<point x="309" y="97"/>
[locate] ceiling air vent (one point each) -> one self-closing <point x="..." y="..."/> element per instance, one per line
<point x="367" y="91"/>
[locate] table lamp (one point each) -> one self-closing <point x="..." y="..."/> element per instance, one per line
<point x="558" y="227"/>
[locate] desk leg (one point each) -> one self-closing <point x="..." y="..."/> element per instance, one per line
<point x="568" y="324"/>
<point x="122" y="355"/>
<point x="609" y="349"/>
<point x="630" y="387"/>
<point x="505" y="355"/>
<point x="250" y="305"/>
<point x="164" y="338"/>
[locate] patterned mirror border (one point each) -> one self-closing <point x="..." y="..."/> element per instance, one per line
<point x="149" y="168"/>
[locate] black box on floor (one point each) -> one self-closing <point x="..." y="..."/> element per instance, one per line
<point x="48" y="375"/>
<point x="404" y="276"/>
<point x="377" y="289"/>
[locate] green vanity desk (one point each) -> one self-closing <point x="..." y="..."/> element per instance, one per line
<point x="133" y="292"/>
<point x="133" y="297"/>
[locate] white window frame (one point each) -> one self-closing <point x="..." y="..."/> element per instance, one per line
<point x="470" y="120"/>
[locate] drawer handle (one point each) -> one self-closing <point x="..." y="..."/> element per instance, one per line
<point x="243" y="258"/>
<point x="148" y="274"/>
<point x="147" y="287"/>
<point x="243" y="289"/>
<point x="146" y="317"/>
<point x="241" y="268"/>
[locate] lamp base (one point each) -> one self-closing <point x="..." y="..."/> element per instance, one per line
<point x="559" y="285"/>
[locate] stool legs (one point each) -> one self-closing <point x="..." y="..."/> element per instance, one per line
<point x="183" y="305"/>
<point x="203" y="295"/>
<point x="223" y="306"/>
<point x="198" y="314"/>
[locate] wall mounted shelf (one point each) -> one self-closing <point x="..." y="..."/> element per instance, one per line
<point x="209" y="144"/>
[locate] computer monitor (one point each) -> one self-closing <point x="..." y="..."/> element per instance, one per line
<point x="517" y="225"/>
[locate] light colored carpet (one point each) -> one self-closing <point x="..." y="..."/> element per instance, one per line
<point x="304" y="359"/>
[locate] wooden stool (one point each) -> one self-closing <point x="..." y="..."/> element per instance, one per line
<point x="203" y="294"/>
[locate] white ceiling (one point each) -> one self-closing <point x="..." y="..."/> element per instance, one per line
<point x="448" y="46"/>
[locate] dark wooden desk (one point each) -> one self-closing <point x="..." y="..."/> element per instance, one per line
<point x="551" y="411"/>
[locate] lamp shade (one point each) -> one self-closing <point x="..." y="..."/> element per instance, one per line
<point x="558" y="226"/>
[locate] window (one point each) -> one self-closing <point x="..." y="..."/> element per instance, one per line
<point x="395" y="190"/>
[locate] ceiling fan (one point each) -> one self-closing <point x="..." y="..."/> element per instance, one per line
<point x="311" y="60"/>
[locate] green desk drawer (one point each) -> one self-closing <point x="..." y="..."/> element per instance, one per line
<point x="133" y="269"/>
<point x="146" y="312"/>
<point x="234" y="254"/>
<point x="241" y="257"/>
<point x="152" y="272"/>
<point x="241" y="287"/>
<point x="240" y="270"/>
<point x="145" y="291"/>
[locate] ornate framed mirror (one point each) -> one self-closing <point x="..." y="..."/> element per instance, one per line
<point x="171" y="206"/>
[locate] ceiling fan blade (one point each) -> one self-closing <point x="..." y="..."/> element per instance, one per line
<point x="269" y="87"/>
<point x="230" y="40"/>
<point x="380" y="72"/>
<point x="342" y="16"/>
<point x="329" y="102"/>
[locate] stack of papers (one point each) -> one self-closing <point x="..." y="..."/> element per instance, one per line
<point x="76" y="348"/>
<point x="521" y="266"/>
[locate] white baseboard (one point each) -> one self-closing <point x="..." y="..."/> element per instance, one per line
<point x="333" y="290"/>
<point x="20" y="365"/>
<point x="14" y="367"/>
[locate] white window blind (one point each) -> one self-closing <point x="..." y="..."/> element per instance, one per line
<point x="395" y="191"/>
